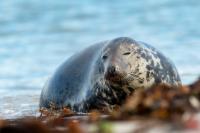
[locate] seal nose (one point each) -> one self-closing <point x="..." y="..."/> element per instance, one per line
<point x="111" y="69"/>
<point x="113" y="74"/>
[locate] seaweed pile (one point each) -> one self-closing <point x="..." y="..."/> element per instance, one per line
<point x="160" y="105"/>
<point x="162" y="102"/>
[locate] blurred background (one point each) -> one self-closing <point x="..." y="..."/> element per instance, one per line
<point x="37" y="36"/>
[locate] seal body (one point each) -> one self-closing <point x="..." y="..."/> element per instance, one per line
<point x="104" y="74"/>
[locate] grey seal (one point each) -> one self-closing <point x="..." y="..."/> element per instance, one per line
<point x="105" y="73"/>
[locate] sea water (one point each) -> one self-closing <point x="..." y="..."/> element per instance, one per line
<point x="37" y="36"/>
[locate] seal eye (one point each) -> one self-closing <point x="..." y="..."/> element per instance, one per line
<point x="126" y="53"/>
<point x="104" y="57"/>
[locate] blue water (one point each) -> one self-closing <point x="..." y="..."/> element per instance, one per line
<point x="38" y="35"/>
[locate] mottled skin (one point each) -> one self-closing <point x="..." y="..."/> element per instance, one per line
<point x="105" y="74"/>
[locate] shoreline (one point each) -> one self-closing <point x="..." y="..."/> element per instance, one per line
<point x="179" y="110"/>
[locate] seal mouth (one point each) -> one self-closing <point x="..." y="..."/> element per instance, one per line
<point x="115" y="78"/>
